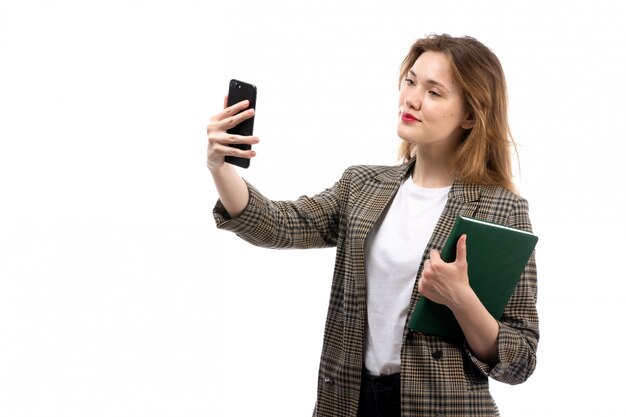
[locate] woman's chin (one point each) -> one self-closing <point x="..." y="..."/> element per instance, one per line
<point x="402" y="134"/>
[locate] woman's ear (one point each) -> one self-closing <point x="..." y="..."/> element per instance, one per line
<point x="469" y="121"/>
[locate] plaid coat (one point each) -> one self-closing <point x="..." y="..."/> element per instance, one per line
<point x="439" y="378"/>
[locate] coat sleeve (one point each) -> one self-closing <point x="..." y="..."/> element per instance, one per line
<point x="308" y="222"/>
<point x="519" y="325"/>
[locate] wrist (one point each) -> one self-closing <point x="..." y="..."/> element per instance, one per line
<point x="218" y="170"/>
<point x="464" y="298"/>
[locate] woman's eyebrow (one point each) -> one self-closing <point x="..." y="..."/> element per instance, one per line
<point x="431" y="82"/>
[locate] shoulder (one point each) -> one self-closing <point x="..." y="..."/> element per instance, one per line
<point x="492" y="203"/>
<point x="511" y="207"/>
<point x="360" y="174"/>
<point x="485" y="194"/>
<point x="500" y="195"/>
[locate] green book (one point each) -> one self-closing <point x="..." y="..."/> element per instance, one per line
<point x="496" y="258"/>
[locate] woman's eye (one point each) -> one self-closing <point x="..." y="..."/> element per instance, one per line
<point x="409" y="81"/>
<point x="434" y="93"/>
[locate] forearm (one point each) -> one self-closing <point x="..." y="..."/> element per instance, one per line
<point x="308" y="222"/>
<point x="479" y="327"/>
<point x="231" y="188"/>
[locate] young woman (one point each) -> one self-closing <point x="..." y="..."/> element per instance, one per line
<point x="388" y="223"/>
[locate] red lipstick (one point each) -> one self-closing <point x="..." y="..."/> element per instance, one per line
<point x="409" y="118"/>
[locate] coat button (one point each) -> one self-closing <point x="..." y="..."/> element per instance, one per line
<point x="437" y="354"/>
<point x="328" y="380"/>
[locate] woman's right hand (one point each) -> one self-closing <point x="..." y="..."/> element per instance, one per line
<point x="219" y="139"/>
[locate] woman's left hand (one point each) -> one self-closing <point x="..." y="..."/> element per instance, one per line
<point x="446" y="283"/>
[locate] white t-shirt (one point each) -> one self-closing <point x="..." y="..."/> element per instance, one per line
<point x="393" y="252"/>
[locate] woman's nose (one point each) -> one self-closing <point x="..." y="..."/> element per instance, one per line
<point x="413" y="101"/>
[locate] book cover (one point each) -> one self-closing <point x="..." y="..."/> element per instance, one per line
<point x="496" y="258"/>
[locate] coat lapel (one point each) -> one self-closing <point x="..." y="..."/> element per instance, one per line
<point x="366" y="208"/>
<point x="374" y="197"/>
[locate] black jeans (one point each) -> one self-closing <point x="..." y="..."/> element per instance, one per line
<point x="380" y="395"/>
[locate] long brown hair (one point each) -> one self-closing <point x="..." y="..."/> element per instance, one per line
<point x="483" y="155"/>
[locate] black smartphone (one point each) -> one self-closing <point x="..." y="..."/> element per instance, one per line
<point x="239" y="91"/>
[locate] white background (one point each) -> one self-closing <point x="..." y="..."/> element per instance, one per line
<point x="119" y="297"/>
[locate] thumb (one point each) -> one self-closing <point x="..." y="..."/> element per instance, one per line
<point x="461" y="249"/>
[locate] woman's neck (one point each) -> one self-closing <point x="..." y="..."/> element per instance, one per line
<point x="432" y="173"/>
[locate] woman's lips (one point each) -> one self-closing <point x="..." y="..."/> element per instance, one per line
<point x="409" y="118"/>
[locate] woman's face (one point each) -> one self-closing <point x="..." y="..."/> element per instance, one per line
<point x="432" y="112"/>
